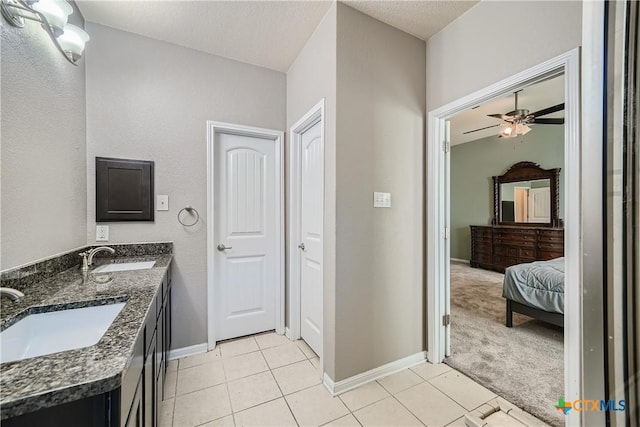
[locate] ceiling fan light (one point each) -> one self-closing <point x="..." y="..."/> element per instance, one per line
<point x="523" y="129"/>
<point x="506" y="130"/>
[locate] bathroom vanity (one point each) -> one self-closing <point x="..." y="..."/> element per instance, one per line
<point x="117" y="382"/>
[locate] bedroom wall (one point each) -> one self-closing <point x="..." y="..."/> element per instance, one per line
<point x="150" y="100"/>
<point x="473" y="165"/>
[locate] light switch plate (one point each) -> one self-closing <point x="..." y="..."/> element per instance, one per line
<point x="381" y="200"/>
<point x="102" y="233"/>
<point x="162" y="203"/>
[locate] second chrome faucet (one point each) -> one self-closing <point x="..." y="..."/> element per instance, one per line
<point x="87" y="256"/>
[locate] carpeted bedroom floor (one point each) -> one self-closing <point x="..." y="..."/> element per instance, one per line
<point x="523" y="364"/>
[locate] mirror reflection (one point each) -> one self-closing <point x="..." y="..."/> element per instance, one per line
<point x="526" y="201"/>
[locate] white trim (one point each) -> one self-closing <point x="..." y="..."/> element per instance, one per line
<point x="459" y="260"/>
<point x="287" y="333"/>
<point x="569" y="63"/>
<point x="350" y="383"/>
<point x="313" y="116"/>
<point x="278" y="137"/>
<point x="179" y="353"/>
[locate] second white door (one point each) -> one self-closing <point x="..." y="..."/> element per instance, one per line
<point x="245" y="230"/>
<point x="311" y="215"/>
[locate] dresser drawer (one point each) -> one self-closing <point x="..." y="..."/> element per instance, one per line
<point x="479" y="248"/>
<point x="527" y="253"/>
<point x="481" y="232"/>
<point x="509" y="261"/>
<point x="482" y="239"/>
<point x="556" y="247"/>
<point x="500" y="250"/>
<point x="547" y="255"/>
<point x="483" y="258"/>
<point x="550" y="238"/>
<point x="551" y="233"/>
<point x="516" y="241"/>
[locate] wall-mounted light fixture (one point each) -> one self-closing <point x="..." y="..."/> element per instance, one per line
<point x="53" y="15"/>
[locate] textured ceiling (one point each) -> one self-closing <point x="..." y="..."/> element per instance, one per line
<point x="265" y="33"/>
<point x="533" y="98"/>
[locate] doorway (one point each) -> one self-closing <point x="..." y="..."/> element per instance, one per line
<point x="438" y="218"/>
<point x="245" y="237"/>
<point x="306" y="228"/>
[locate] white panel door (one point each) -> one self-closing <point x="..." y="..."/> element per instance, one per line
<point x="245" y="235"/>
<point x="540" y="204"/>
<point x="311" y="215"/>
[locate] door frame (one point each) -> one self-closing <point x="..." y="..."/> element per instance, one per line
<point x="438" y="200"/>
<point x="312" y="117"/>
<point x="214" y="128"/>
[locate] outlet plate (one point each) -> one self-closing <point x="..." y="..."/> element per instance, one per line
<point x="102" y="233"/>
<point x="381" y="200"/>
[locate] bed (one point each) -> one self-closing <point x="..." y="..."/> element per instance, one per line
<point x="535" y="289"/>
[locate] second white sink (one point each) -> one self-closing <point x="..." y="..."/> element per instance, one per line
<point x="125" y="266"/>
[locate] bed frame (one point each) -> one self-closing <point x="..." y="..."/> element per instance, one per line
<point x="512" y="306"/>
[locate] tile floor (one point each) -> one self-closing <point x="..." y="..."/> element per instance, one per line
<point x="267" y="380"/>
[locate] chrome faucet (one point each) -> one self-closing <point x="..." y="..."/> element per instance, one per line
<point x="87" y="257"/>
<point x="12" y="294"/>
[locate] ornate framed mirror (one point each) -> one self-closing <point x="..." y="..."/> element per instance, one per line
<point x="527" y="195"/>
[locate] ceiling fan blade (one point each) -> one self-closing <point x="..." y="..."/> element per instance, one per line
<point x="498" y="116"/>
<point x="476" y="130"/>
<point x="549" y="110"/>
<point x="548" y="121"/>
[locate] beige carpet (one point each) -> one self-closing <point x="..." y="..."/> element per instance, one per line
<point x="523" y="364"/>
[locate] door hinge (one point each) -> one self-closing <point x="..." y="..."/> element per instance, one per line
<point x="446" y="320"/>
<point x="446" y="146"/>
<point x="446" y="233"/>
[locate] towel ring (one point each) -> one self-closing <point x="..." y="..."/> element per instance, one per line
<point x="191" y="211"/>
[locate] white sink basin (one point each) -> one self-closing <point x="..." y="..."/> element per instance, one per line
<point x="46" y="333"/>
<point x="125" y="266"/>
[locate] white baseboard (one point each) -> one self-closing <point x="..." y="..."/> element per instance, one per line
<point x="179" y="353"/>
<point x="350" y="383"/>
<point x="287" y="332"/>
<point x="460" y="260"/>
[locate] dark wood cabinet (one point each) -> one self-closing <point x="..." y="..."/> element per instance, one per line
<point x="150" y="390"/>
<point x="497" y="247"/>
<point x="136" y="402"/>
<point x="136" y="412"/>
<point x="124" y="190"/>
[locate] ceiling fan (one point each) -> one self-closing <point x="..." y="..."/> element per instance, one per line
<point x="516" y="122"/>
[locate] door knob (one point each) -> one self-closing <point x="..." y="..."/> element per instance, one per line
<point x="301" y="246"/>
<point x="222" y="247"/>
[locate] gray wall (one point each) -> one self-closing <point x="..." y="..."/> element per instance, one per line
<point x="473" y="165"/>
<point x="43" y="178"/>
<point x="311" y="77"/>
<point x="148" y="99"/>
<point x="469" y="53"/>
<point x="380" y="147"/>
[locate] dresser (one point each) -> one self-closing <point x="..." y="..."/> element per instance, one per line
<point x="496" y="247"/>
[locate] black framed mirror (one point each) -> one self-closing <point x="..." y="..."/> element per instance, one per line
<point x="525" y="195"/>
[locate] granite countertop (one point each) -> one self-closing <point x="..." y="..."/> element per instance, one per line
<point x="50" y="380"/>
